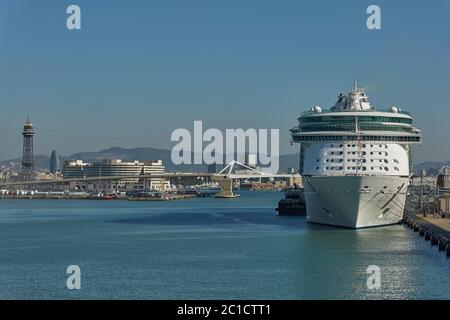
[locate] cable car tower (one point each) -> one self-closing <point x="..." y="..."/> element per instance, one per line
<point x="28" y="158"/>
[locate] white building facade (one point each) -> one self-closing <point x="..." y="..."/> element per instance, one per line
<point x="116" y="168"/>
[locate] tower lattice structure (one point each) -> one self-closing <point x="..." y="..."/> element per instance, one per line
<point x="28" y="159"/>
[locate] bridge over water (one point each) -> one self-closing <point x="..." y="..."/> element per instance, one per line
<point x="225" y="178"/>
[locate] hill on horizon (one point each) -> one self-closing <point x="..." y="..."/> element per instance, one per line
<point x="143" y="153"/>
<point x="148" y="153"/>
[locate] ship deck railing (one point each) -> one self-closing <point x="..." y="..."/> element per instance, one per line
<point x="328" y="110"/>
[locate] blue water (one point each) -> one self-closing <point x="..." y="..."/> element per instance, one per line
<point x="205" y="249"/>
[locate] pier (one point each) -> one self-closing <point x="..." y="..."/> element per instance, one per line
<point x="428" y="208"/>
<point x="439" y="225"/>
<point x="433" y="229"/>
<point x="155" y="196"/>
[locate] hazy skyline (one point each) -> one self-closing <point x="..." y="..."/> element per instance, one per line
<point x="140" y="69"/>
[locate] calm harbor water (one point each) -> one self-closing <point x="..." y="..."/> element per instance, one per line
<point x="205" y="249"/>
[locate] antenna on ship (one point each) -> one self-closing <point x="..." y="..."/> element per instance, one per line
<point x="355" y="87"/>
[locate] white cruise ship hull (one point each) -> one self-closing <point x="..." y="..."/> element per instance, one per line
<point x="355" y="201"/>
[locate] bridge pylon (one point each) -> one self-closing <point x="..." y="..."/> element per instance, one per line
<point x="226" y="187"/>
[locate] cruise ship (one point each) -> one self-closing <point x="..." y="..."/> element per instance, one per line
<point x="355" y="161"/>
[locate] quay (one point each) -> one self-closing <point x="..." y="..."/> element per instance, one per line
<point x="156" y="197"/>
<point x="164" y="197"/>
<point x="439" y="225"/>
<point x="433" y="229"/>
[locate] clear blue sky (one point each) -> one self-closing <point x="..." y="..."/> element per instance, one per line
<point x="140" y="69"/>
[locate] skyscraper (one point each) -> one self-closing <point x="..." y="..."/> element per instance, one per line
<point x="27" y="159"/>
<point x="54" y="162"/>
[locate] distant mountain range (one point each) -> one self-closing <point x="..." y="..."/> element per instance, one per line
<point x="286" y="161"/>
<point x="43" y="161"/>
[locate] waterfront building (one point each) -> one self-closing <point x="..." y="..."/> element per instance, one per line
<point x="212" y="168"/>
<point x="117" y="167"/>
<point x="443" y="185"/>
<point x="54" y="162"/>
<point x="74" y="169"/>
<point x="251" y="160"/>
<point x="4" y="175"/>
<point x="46" y="175"/>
